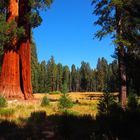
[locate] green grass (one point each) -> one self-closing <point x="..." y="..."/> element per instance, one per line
<point x="55" y="92"/>
<point x="6" y="112"/>
<point x="3" y="102"/>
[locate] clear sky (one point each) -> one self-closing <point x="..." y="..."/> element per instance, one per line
<point x="67" y="33"/>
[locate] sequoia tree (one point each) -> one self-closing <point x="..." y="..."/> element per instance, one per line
<point x="28" y="17"/>
<point x="10" y="74"/>
<point x="25" y="49"/>
<point x="15" y="78"/>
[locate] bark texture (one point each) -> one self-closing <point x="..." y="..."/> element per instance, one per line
<point x="25" y="49"/>
<point x="10" y="74"/>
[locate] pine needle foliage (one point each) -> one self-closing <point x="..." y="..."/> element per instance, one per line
<point x="105" y="103"/>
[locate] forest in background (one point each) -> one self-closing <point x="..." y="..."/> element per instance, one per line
<point x="49" y="76"/>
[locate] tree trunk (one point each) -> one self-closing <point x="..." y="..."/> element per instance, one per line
<point x="121" y="61"/>
<point x="122" y="75"/>
<point x="25" y="61"/>
<point x="25" y="49"/>
<point x="10" y="74"/>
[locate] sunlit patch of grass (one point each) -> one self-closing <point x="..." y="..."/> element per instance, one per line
<point x="82" y="105"/>
<point x="83" y="109"/>
<point x="31" y="107"/>
<point x="19" y="107"/>
<point x="6" y="112"/>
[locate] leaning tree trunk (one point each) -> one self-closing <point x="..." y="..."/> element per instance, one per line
<point x="10" y="74"/>
<point x="25" y="49"/>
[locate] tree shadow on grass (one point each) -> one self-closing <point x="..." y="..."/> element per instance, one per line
<point x="119" y="125"/>
<point x="54" y="127"/>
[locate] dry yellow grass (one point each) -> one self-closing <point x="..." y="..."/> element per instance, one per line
<point x="73" y="95"/>
<point x="85" y="103"/>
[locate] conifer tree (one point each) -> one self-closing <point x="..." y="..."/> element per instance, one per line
<point x="66" y="76"/>
<point x="34" y="68"/>
<point x="59" y="77"/>
<point x="73" y="78"/>
<point x="15" y="78"/>
<point x="111" y="18"/>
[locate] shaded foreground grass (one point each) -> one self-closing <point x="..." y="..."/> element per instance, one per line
<point x="120" y="125"/>
<point x="28" y="120"/>
<point x="54" y="127"/>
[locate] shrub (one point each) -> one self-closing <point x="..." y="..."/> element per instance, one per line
<point x="6" y="112"/>
<point x="132" y="101"/>
<point x="37" y="117"/>
<point x="3" y="102"/>
<point x="65" y="102"/>
<point x="45" y="101"/>
<point x="105" y="103"/>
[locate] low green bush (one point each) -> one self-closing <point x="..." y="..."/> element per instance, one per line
<point x="65" y="102"/>
<point x="45" y="101"/>
<point x="6" y="112"/>
<point x="3" y="102"/>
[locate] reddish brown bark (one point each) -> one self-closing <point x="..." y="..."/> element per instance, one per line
<point x="10" y="75"/>
<point x="25" y="61"/>
<point x="25" y="50"/>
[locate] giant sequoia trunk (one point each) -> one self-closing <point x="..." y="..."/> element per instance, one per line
<point x="25" y="50"/>
<point x="15" y="81"/>
<point x="10" y="74"/>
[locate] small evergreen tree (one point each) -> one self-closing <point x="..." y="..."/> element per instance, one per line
<point x="65" y="88"/>
<point x="45" y="101"/>
<point x="65" y="102"/>
<point x="105" y="103"/>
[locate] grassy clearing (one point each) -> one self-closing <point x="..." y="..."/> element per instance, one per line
<point x="30" y="120"/>
<point x="20" y="110"/>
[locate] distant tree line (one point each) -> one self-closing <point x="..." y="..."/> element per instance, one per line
<point x="49" y="76"/>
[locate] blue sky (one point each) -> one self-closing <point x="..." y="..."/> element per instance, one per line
<point x="67" y="33"/>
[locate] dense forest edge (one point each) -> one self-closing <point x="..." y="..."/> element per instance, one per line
<point x="49" y="76"/>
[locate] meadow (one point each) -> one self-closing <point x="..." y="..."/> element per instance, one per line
<point x="29" y="120"/>
<point x="84" y="104"/>
<point x="21" y="115"/>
